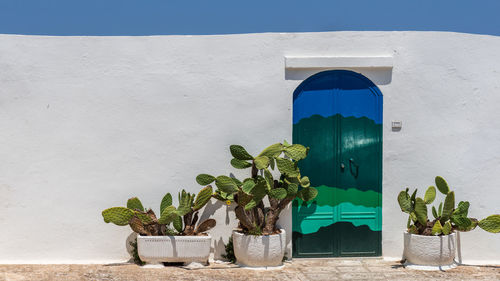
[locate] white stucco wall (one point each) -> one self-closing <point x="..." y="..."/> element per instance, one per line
<point x="88" y="122"/>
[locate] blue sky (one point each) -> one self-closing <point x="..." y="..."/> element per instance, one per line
<point x="165" y="17"/>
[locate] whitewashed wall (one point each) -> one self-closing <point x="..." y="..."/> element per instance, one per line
<point x="87" y="122"/>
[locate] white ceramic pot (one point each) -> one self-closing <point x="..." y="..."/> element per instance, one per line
<point x="429" y="252"/>
<point x="156" y="249"/>
<point x="259" y="251"/>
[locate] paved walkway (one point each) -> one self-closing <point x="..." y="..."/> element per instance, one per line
<point x="299" y="269"/>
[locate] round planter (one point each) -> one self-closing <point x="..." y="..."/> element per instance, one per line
<point x="259" y="251"/>
<point x="156" y="249"/>
<point x="429" y="252"/>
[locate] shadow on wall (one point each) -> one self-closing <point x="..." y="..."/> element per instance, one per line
<point x="379" y="76"/>
<point x="209" y="211"/>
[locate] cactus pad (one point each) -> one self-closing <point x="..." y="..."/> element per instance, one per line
<point x="296" y="151"/>
<point x="421" y="210"/>
<point x="135" y="204"/>
<point x="168" y="215"/>
<point x="261" y="162"/>
<point x="278" y="193"/>
<point x="205" y="226"/>
<point x="272" y="150"/>
<point x="165" y="202"/>
<point x="286" y="167"/>
<point x="118" y="215"/>
<point x="442" y="185"/>
<point x="239" y="152"/>
<point x="437" y="228"/>
<point x="202" y="198"/>
<point x="490" y="224"/>
<point x="405" y="202"/>
<point x="204" y="179"/>
<point x="240" y="164"/>
<point x="226" y="184"/>
<point x="307" y="194"/>
<point x="449" y="205"/>
<point x="430" y="195"/>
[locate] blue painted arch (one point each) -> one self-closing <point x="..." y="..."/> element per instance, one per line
<point x="316" y="96"/>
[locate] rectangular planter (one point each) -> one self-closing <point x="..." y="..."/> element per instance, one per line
<point x="156" y="249"/>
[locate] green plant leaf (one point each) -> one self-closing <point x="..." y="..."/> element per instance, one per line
<point x="447" y="228"/>
<point x="462" y="209"/>
<point x="226" y="184"/>
<point x="269" y="178"/>
<point x="292" y="189"/>
<point x="168" y="215"/>
<point x="490" y="224"/>
<point x="413" y="217"/>
<point x="273" y="150"/>
<point x="135" y="204"/>
<point x="248" y="186"/>
<point x="240" y="164"/>
<point x="307" y="194"/>
<point x="430" y="195"/>
<point x="437" y="228"/>
<point x="442" y="185"/>
<point x="434" y="212"/>
<point x="421" y="210"/>
<point x="296" y="151"/>
<point x="204" y="179"/>
<point x="251" y="204"/>
<point x="462" y="223"/>
<point x="440" y="209"/>
<point x="239" y="152"/>
<point x="261" y="162"/>
<point x="202" y="198"/>
<point x="449" y="205"/>
<point x="304" y="182"/>
<point x="287" y="167"/>
<point x="405" y="202"/>
<point x="278" y="193"/>
<point x="165" y="202"/>
<point x="177" y="223"/>
<point x="118" y="215"/>
<point x="413" y="195"/>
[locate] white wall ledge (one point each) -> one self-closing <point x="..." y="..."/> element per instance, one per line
<point x="292" y="62"/>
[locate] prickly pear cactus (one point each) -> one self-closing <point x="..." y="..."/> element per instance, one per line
<point x="447" y="217"/>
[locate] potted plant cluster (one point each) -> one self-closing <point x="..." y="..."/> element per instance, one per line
<point x="431" y="243"/>
<point x="258" y="241"/>
<point x="157" y="241"/>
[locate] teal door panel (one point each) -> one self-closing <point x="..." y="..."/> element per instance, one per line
<point x="338" y="114"/>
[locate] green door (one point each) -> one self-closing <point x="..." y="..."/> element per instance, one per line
<point x="338" y="114"/>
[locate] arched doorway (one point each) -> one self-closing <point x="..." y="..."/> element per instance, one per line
<point x="338" y="114"/>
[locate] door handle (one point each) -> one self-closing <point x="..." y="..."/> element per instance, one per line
<point x="356" y="166"/>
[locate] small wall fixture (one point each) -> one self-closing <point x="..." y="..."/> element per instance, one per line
<point x="397" y="125"/>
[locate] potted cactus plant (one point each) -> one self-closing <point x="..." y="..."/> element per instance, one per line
<point x="258" y="241"/>
<point x="431" y="243"/>
<point x="157" y="241"/>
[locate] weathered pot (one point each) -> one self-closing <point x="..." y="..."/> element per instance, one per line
<point x="429" y="252"/>
<point x="156" y="249"/>
<point x="259" y="251"/>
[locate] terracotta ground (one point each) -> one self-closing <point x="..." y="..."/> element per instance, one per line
<point x="299" y="269"/>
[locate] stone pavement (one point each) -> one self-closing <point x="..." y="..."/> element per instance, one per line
<point x="299" y="269"/>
